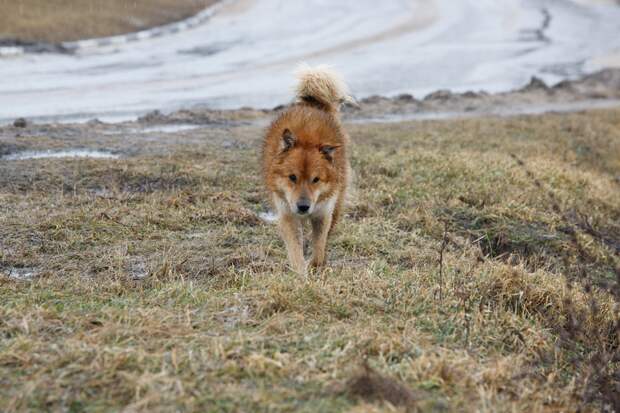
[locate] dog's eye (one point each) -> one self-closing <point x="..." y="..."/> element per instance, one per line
<point x="315" y="180"/>
<point x="293" y="178"/>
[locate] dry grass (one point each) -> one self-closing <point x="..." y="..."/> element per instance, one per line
<point x="67" y="20"/>
<point x="525" y="320"/>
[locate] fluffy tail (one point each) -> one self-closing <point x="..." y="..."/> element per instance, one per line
<point x="320" y="86"/>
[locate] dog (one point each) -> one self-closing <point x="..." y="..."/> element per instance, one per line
<point x="306" y="166"/>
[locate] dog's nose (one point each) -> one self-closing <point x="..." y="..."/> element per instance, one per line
<point x="303" y="206"/>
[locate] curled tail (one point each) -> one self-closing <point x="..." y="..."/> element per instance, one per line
<point x="321" y="86"/>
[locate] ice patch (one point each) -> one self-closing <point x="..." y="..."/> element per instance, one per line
<point x="269" y="217"/>
<point x="167" y="128"/>
<point x="22" y="274"/>
<point x="138" y="269"/>
<point x="151" y="129"/>
<point x="68" y="153"/>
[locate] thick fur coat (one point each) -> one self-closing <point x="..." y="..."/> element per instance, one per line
<point x="305" y="164"/>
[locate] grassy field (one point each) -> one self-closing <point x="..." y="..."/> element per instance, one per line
<point x="67" y="20"/>
<point x="476" y="270"/>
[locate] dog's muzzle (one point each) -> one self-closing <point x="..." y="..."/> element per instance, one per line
<point x="303" y="206"/>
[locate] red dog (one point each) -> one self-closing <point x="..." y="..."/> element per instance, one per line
<point x="306" y="166"/>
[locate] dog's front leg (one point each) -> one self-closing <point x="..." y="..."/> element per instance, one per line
<point x="292" y="234"/>
<point x="320" y="231"/>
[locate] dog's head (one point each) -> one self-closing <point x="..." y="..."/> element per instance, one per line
<point x="306" y="174"/>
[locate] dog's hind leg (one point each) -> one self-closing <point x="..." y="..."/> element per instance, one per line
<point x="291" y="231"/>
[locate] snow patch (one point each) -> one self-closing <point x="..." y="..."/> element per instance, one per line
<point x="167" y="128"/>
<point x="22" y="274"/>
<point x="68" y="153"/>
<point x="269" y="217"/>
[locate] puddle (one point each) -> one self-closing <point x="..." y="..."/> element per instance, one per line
<point x="22" y="274"/>
<point x="69" y="153"/>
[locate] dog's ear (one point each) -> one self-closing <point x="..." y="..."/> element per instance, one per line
<point x="328" y="150"/>
<point x="288" y="140"/>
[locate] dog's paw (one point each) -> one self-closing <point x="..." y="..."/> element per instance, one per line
<point x="300" y="268"/>
<point x="317" y="263"/>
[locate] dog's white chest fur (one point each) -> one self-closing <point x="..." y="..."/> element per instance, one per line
<point x="325" y="207"/>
